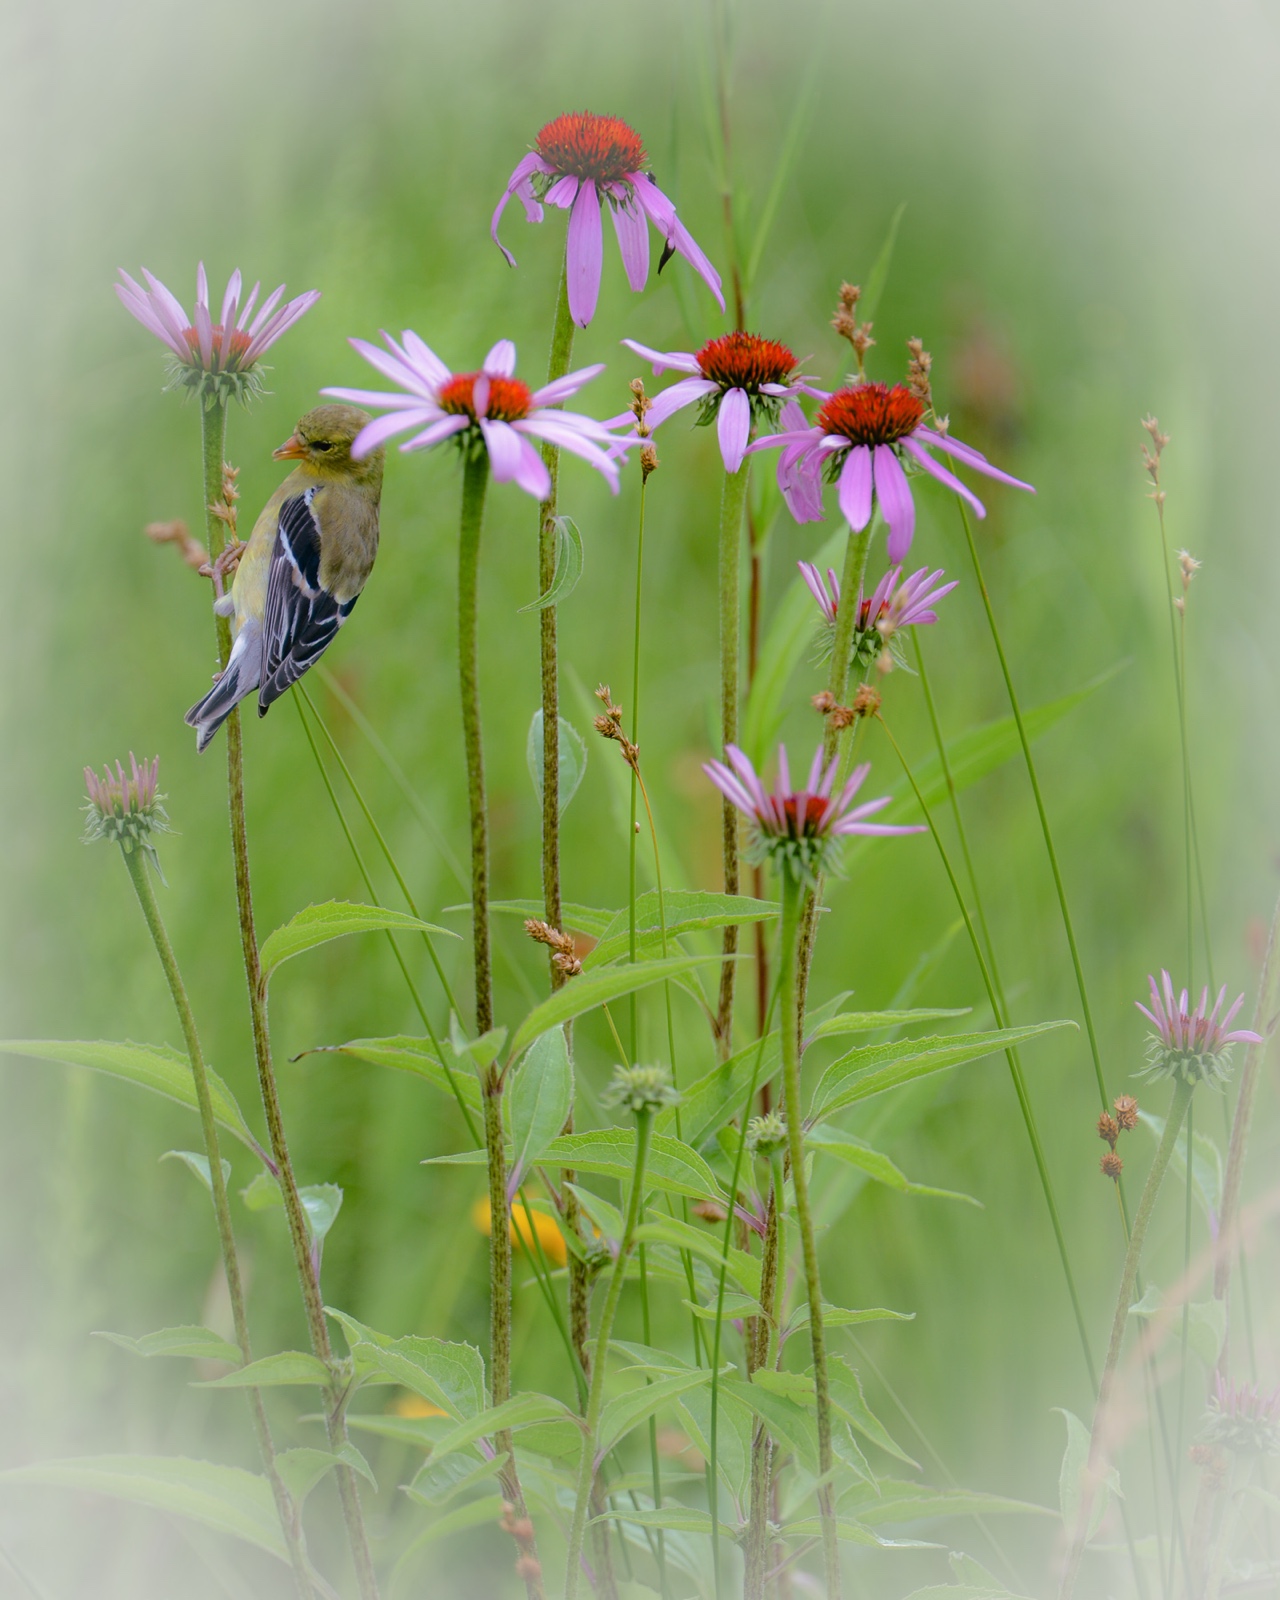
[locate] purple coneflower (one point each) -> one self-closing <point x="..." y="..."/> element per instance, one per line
<point x="738" y="380"/>
<point x="491" y="407"/>
<point x="126" y="807"/>
<point x="220" y="357"/>
<point x="798" y="828"/>
<point x="1243" y="1418"/>
<point x="578" y="160"/>
<point x="889" y="607"/>
<point x="1192" y="1045"/>
<point x="858" y="439"/>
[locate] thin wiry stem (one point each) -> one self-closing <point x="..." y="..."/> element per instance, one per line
<point x="214" y="420"/>
<point x="732" y="501"/>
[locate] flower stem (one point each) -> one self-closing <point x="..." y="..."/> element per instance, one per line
<point x="772" y="1273"/>
<point x="1093" y="1472"/>
<point x="1025" y="742"/>
<point x="789" y="995"/>
<point x="214" y="420"/>
<point x="290" y="1520"/>
<point x="595" y="1399"/>
<point x="475" y="481"/>
<point x="732" y="501"/>
<point x="633" y="832"/>
<point x="557" y="366"/>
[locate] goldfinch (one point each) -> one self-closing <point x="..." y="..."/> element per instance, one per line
<point x="302" y="570"/>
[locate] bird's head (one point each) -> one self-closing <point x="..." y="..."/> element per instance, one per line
<point x="322" y="440"/>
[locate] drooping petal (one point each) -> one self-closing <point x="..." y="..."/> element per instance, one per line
<point x="558" y="428"/>
<point x="734" y="428"/>
<point x="265" y="310"/>
<point x="283" y="320"/>
<point x="501" y="360"/>
<point x="894" y="494"/>
<point x="504" y="449"/>
<point x="554" y="394"/>
<point x="662" y="213"/>
<point x="519" y="184"/>
<point x="677" y="360"/>
<point x="632" y="229"/>
<point x="677" y="397"/>
<point x="563" y="192"/>
<point x="167" y="303"/>
<point x="855" y="488"/>
<point x="532" y="475"/>
<point x="583" y="252"/>
<point x="380" y="397"/>
<point x="936" y="470"/>
<point x="970" y="457"/>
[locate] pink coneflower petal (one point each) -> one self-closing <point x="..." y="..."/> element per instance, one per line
<point x="632" y="229"/>
<point x="231" y="299"/>
<point x="813" y="578"/>
<point x="204" y="330"/>
<point x="855" y="488"/>
<point x="435" y="433"/>
<point x="531" y="474"/>
<point x="584" y="251"/>
<point x="167" y="304"/>
<point x="563" y="192"/>
<point x="551" y="394"/>
<point x="970" y="457"/>
<point x="504" y="449"/>
<point x="246" y="310"/>
<point x="423" y="359"/>
<point x="378" y="397"/>
<point x="665" y="360"/>
<point x="519" y="184"/>
<point x="281" y="323"/>
<point x="734" y="427"/>
<point x="501" y="360"/>
<point x="395" y="368"/>
<point x="894" y="494"/>
<point x="202" y="288"/>
<point x="674" y="399"/>
<point x="480" y="389"/>
<point x="662" y="213"/>
<point x="937" y="470"/>
<point x="378" y="432"/>
<point x="554" y="430"/>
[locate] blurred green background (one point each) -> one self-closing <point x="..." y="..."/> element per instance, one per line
<point x="1089" y="236"/>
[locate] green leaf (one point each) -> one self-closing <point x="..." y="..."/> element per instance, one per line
<point x="789" y="1423"/>
<point x="406" y="1053"/>
<point x="671" y="1166"/>
<point x="321" y="1202"/>
<point x="449" y="1375"/>
<point x="686" y="911"/>
<point x="568" y="568"/>
<point x="482" y="1051"/>
<point x="1075" y="1463"/>
<point x="735" y="1305"/>
<point x="593" y="989"/>
<point x="1206" y="1163"/>
<point x="735" y="1426"/>
<point x="261" y="1193"/>
<point x="200" y="1343"/>
<point x="302" y="1468"/>
<point x="714" y="1099"/>
<point x="520" y="1411"/>
<point x="156" y="1067"/>
<point x="440" y="1481"/>
<point x="539" y="1095"/>
<point x="316" y="925"/>
<point x="870" y="1021"/>
<point x="846" y="1529"/>
<point x="874" y="286"/>
<point x="285" y="1368"/>
<point x="472" y="1515"/>
<point x="857" y="1153"/>
<point x="590" y="920"/>
<point x="228" y="1499"/>
<point x="849" y="1400"/>
<point x="893" y="1500"/>
<point x="839" y="1317"/>
<point x="871" y="1069"/>
<point x="674" y="1518"/>
<point x="626" y="1411"/>
<point x="743" y="1269"/>
<point x="571" y="759"/>
<point x="1206" y="1321"/>
<point x="199" y="1165"/>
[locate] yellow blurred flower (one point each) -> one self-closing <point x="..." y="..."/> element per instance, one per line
<point x="413" y="1405"/>
<point x="526" y="1224"/>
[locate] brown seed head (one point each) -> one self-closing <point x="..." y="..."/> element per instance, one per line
<point x="568" y="964"/>
<point x="543" y="933"/>
<point x="1212" y="1463"/>
<point x="1108" y="1128"/>
<point x="1190" y="566"/>
<point x="640" y="403"/>
<point x="1126" y="1111"/>
<point x="648" y="461"/>
<point x="918" y="368"/>
<point x="178" y="534"/>
<point x="850" y="294"/>
<point x="866" y="703"/>
<point x="843" y="717"/>
<point x="1111" y="1165"/>
<point x="824" y="702"/>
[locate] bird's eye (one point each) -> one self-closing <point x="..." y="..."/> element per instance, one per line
<point x="321" y="444"/>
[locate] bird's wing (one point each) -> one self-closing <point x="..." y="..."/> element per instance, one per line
<point x="301" y="616"/>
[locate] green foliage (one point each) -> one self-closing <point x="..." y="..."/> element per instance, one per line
<point x="200" y="1343"/>
<point x="858" y="1153"/>
<point x="405" y="1053"/>
<point x="684" y="910"/>
<point x="570" y="559"/>
<point x="198" y="1165"/>
<point x="538" y="1096"/>
<point x="447" y="1375"/>
<point x="286" y="1368"/>
<point x="571" y="759"/>
<point x="1072" y="1478"/>
<point x="317" y="925"/>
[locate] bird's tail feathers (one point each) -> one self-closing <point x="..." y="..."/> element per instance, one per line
<point x="239" y="680"/>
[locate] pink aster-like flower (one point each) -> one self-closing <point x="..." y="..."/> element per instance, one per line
<point x="578" y="161"/>
<point x="492" y="406"/>
<point x="798" y="828"/>
<point x="889" y="607"/>
<point x="127" y="807"/>
<point x="218" y="358"/>
<point x="1192" y="1045"/>
<point x="739" y="380"/>
<point x="1243" y="1418"/>
<point x="860" y="438"/>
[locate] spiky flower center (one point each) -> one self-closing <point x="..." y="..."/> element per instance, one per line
<point x="581" y="144"/>
<point x="745" y="361"/>
<point x="240" y="342"/>
<point x="872" y="413"/>
<point x="509" y="399"/>
<point x="812" y="823"/>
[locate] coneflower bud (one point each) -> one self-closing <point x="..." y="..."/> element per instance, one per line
<point x="1194" y="1045"/>
<point x="1108" y="1128"/>
<point x="640" y="1089"/>
<point x="1126" y="1112"/>
<point x="1243" y="1419"/>
<point x="126" y="809"/>
<point x="1111" y="1165"/>
<point x="767" y="1135"/>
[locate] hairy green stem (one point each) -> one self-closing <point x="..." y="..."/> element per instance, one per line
<point x="732" y="501"/>
<point x="557" y="366"/>
<point x="1098" y="1443"/>
<point x="634" y="829"/>
<point x="789" y="998"/>
<point x="290" y="1519"/>
<point x="755" y="1553"/>
<point x="475" y="481"/>
<point x="595" y="1398"/>
<point x="214" y="426"/>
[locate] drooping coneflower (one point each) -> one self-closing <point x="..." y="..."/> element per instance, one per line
<point x="490" y="409"/>
<point x="1242" y="1418"/>
<point x="738" y="381"/>
<point x="1192" y="1045"/>
<point x="859" y="440"/>
<point x="216" y="359"/>
<point x="799" y="828"/>
<point x="579" y="161"/>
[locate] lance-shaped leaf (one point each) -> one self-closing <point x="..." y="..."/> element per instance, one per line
<point x="593" y="989"/>
<point x="407" y="1053"/>
<point x="871" y="1069"/>
<point x="684" y="911"/>
<point x="872" y="1021"/>
<point x="156" y="1067"/>
<point x="743" y="1269"/>
<point x="671" y="1164"/>
<point x="789" y="1423"/>
<point x="200" y="1343"/>
<point x="571" y="759"/>
<point x="228" y="1499"/>
<point x="284" y="1369"/>
<point x="199" y="1166"/>
<point x="518" y="1412"/>
<point x="626" y="1411"/>
<point x="451" y="1376"/>
<point x="301" y="1469"/>
<point x="841" y="1317"/>
<point x="857" y="1153"/>
<point x="1074" y="1475"/>
<point x="334" y="919"/>
<point x="568" y="566"/>
<point x="440" y="1481"/>
<point x="892" y="1500"/>
<point x="591" y="920"/>
<point x="849" y="1400"/>
<point x="539" y="1094"/>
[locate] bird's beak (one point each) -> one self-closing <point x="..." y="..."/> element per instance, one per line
<point x="293" y="449"/>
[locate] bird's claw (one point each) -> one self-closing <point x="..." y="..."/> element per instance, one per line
<point x="222" y="565"/>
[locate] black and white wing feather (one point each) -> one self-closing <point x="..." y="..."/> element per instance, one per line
<point x="301" y="616"/>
